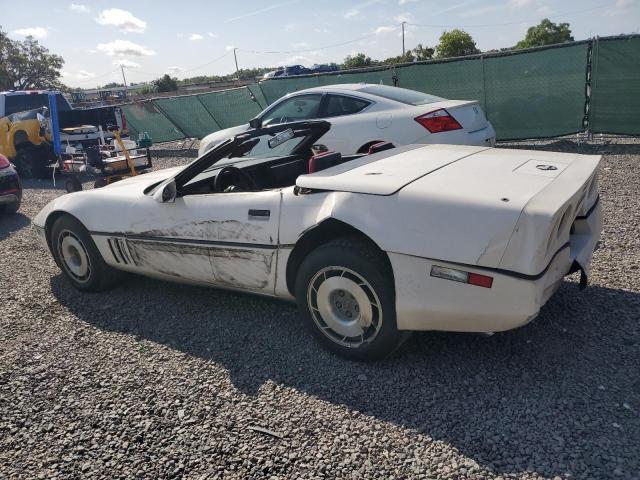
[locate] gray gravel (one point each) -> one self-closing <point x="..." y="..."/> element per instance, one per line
<point x="155" y="380"/>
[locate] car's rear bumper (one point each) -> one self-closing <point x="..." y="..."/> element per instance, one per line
<point x="424" y="302"/>
<point x="9" y="199"/>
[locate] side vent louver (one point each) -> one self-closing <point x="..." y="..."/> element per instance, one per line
<point x="119" y="250"/>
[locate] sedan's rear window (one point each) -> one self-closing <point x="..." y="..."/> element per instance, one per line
<point x="402" y="95"/>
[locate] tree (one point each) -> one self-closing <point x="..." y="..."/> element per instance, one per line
<point x="28" y="65"/>
<point x="423" y="53"/>
<point x="358" y="60"/>
<point x="418" y="54"/>
<point x="546" y="33"/>
<point x="456" y="43"/>
<point x="166" y="84"/>
<point x="408" y="57"/>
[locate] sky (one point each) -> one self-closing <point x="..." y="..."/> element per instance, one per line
<point x="187" y="38"/>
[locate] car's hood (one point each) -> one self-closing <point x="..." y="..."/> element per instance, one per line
<point x="106" y="200"/>
<point x="146" y="179"/>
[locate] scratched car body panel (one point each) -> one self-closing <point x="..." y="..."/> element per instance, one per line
<point x="477" y="238"/>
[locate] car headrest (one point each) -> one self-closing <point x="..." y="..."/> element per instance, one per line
<point x="324" y="160"/>
<point x="380" y="147"/>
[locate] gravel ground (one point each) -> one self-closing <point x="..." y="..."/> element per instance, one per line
<point x="155" y="380"/>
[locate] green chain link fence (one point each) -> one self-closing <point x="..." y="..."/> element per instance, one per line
<point x="532" y="93"/>
<point x="615" y="83"/>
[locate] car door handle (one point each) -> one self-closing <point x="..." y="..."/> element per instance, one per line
<point x="259" y="213"/>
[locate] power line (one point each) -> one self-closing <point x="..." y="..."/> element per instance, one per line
<point x="307" y="50"/>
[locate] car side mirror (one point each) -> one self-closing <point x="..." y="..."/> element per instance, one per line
<point x="255" y="122"/>
<point x="166" y="193"/>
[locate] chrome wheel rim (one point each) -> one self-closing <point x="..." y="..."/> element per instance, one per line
<point x="75" y="258"/>
<point x="344" y="306"/>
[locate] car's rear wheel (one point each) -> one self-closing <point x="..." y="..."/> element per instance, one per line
<point x="78" y="257"/>
<point x="345" y="294"/>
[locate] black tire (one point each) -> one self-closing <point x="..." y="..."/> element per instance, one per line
<point x="32" y="161"/>
<point x="99" y="183"/>
<point x="21" y="140"/>
<point x="98" y="276"/>
<point x="359" y="261"/>
<point x="72" y="184"/>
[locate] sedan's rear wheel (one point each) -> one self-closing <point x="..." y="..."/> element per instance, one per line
<point x="345" y="294"/>
<point x="78" y="257"/>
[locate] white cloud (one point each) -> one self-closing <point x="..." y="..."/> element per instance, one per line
<point x="300" y="45"/>
<point x="261" y="10"/>
<point x="83" y="75"/>
<point x="124" y="47"/>
<point x="126" y="63"/>
<point x="35" y="32"/>
<point x="403" y="17"/>
<point x="228" y="48"/>
<point x="385" y="29"/>
<point x="545" y="10"/>
<point x="122" y="19"/>
<point x="211" y="35"/>
<point x="78" y="7"/>
<point x="175" y="69"/>
<point x="321" y="30"/>
<point x="520" y="3"/>
<point x="356" y="11"/>
<point x="404" y="2"/>
<point x="195" y="36"/>
<point x="481" y="10"/>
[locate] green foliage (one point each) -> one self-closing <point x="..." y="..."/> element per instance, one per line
<point x="456" y="43"/>
<point x="242" y="74"/>
<point x="360" y="60"/>
<point x="166" y="84"/>
<point x="418" y="54"/>
<point x="546" y="33"/>
<point x="27" y="65"/>
<point x="113" y="85"/>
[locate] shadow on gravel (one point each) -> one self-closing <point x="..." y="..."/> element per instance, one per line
<point x="547" y="397"/>
<point x="10" y="224"/>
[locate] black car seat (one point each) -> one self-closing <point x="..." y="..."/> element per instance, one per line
<point x="380" y="147"/>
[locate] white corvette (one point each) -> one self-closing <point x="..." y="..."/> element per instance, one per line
<point x="364" y="114"/>
<point x="435" y="237"/>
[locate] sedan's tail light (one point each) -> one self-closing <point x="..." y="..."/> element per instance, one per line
<point x="4" y="161"/>
<point x="438" y="121"/>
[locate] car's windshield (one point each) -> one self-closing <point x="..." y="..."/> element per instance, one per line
<point x="402" y="95"/>
<point x="261" y="149"/>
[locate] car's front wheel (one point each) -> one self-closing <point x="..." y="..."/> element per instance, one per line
<point x="78" y="257"/>
<point x="345" y="294"/>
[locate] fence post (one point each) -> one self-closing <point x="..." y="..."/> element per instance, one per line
<point x="484" y="88"/>
<point x="209" y="112"/>
<point x="594" y="83"/>
<point x="159" y="109"/>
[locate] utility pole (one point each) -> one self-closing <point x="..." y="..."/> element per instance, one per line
<point x="403" y="38"/>
<point x="124" y="80"/>
<point x="235" y="57"/>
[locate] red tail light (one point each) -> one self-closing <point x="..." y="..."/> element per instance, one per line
<point x="438" y="121"/>
<point x="4" y="161"/>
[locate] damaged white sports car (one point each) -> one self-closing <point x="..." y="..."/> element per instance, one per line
<point x="435" y="237"/>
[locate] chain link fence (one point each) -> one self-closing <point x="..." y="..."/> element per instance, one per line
<point x="592" y="85"/>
